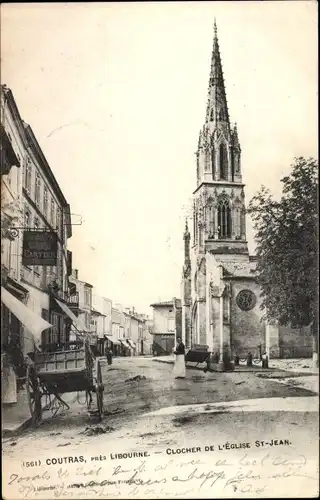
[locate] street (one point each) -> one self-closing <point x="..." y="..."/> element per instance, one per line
<point x="147" y="409"/>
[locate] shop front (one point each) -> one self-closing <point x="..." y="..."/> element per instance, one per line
<point x="112" y="343"/>
<point x="20" y="327"/>
<point x="125" y="349"/>
<point x="132" y="346"/>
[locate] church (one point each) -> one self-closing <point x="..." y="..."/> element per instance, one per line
<point x="220" y="295"/>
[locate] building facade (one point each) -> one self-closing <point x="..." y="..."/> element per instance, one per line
<point x="221" y="297"/>
<point x="167" y="325"/>
<point x="86" y="324"/>
<point x="31" y="203"/>
<point x="101" y="320"/>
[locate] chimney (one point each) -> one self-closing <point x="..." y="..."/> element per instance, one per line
<point x="75" y="273"/>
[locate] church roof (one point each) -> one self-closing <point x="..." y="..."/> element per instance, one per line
<point x="236" y="269"/>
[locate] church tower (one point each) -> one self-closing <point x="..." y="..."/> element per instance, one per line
<point x="224" y="294"/>
<point x="219" y="200"/>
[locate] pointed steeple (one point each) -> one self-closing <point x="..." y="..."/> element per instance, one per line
<point x="217" y="109"/>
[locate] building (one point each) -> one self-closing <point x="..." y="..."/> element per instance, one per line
<point x="134" y="330"/>
<point x="144" y="345"/>
<point x="101" y="320"/>
<point x="221" y="297"/>
<point x="36" y="264"/>
<point x="86" y="316"/>
<point x="167" y="325"/>
<point x="117" y="332"/>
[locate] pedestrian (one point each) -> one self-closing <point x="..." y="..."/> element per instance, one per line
<point x="109" y="357"/>
<point x="179" y="368"/>
<point x="265" y="360"/>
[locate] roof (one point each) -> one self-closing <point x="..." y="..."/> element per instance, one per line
<point x="168" y="303"/>
<point x="238" y="269"/>
<point x="96" y="312"/>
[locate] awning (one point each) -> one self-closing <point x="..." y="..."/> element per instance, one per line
<point x="78" y="323"/>
<point x="32" y="321"/>
<point x="112" y="339"/>
<point x="124" y="343"/>
<point x="131" y="344"/>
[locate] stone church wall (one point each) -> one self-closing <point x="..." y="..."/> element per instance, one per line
<point x="247" y="329"/>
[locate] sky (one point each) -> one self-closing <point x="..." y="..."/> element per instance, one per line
<point x="116" y="95"/>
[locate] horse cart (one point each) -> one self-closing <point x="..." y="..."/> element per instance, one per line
<point x="53" y="373"/>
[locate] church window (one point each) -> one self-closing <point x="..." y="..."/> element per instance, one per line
<point x="246" y="300"/>
<point x="224" y="219"/>
<point x="223" y="157"/>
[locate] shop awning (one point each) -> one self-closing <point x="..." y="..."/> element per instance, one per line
<point x="112" y="339"/>
<point x="124" y="343"/>
<point x="78" y="323"/>
<point x="32" y="321"/>
<point x="131" y="344"/>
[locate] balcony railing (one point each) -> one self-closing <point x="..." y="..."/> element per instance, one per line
<point x="72" y="300"/>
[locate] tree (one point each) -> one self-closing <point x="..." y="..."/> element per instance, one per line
<point x="286" y="233"/>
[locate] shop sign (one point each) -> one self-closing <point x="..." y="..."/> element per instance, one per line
<point x="40" y="248"/>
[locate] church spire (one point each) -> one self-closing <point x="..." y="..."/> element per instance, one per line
<point x="217" y="109"/>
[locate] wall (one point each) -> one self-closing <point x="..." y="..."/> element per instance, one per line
<point x="295" y="342"/>
<point x="247" y="332"/>
<point x="134" y="330"/>
<point x="163" y="319"/>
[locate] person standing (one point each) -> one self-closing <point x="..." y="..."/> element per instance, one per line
<point x="109" y="356"/>
<point x="179" y="369"/>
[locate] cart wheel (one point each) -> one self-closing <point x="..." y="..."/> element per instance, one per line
<point x="99" y="388"/>
<point x="34" y="395"/>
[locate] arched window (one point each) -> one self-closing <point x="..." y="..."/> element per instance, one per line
<point x="223" y="157"/>
<point x="224" y="219"/>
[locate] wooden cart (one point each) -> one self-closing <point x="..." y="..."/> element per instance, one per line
<point x="53" y="374"/>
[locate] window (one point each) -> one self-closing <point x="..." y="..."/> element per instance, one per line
<point x="87" y="297"/>
<point x="55" y="328"/>
<point x="246" y="300"/>
<point x="45" y="201"/>
<point x="52" y="212"/>
<point x="27" y="176"/>
<point x="37" y="190"/>
<point x="224" y="219"/>
<point x="223" y="161"/>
